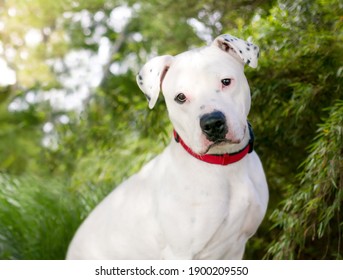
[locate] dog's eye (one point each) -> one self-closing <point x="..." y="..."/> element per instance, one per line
<point x="180" y="98"/>
<point x="226" y="82"/>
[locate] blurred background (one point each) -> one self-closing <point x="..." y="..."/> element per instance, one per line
<point x="73" y="123"/>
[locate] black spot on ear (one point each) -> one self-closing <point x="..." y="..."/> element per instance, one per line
<point x="255" y="48"/>
<point x="248" y="61"/>
<point x="240" y="51"/>
<point x="147" y="97"/>
<point x="141" y="83"/>
<point x="258" y="54"/>
<point x="248" y="49"/>
<point x="140" y="77"/>
<point x="150" y="70"/>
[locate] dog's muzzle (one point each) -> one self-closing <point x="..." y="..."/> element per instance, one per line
<point x="221" y="159"/>
<point x="214" y="126"/>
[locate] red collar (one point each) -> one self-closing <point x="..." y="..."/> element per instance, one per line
<point x="224" y="159"/>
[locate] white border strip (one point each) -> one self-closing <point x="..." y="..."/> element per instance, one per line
<point x="183" y="270"/>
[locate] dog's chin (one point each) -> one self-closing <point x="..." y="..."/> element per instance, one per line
<point x="221" y="147"/>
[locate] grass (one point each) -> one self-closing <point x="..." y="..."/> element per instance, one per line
<point x="37" y="218"/>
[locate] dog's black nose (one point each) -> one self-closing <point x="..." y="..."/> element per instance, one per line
<point x="214" y="126"/>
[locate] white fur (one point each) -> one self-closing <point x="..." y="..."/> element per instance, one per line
<point x="178" y="207"/>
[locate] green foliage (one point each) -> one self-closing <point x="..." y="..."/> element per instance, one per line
<point x="310" y="217"/>
<point x="37" y="217"/>
<point x="301" y="58"/>
<point x="20" y="140"/>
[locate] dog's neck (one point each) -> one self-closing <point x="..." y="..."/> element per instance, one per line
<point x="221" y="159"/>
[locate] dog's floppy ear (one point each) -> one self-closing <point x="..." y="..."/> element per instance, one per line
<point x="245" y="51"/>
<point x="150" y="77"/>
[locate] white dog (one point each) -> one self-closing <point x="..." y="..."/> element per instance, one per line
<point x="206" y="194"/>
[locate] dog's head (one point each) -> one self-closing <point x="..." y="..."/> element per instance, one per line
<point x="206" y="92"/>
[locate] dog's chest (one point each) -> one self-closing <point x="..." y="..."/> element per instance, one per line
<point x="209" y="214"/>
<point x="240" y="222"/>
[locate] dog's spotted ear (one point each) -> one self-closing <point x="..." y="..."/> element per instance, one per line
<point x="245" y="51"/>
<point x="150" y="77"/>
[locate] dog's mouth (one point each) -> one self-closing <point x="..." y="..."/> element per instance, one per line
<point x="220" y="143"/>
